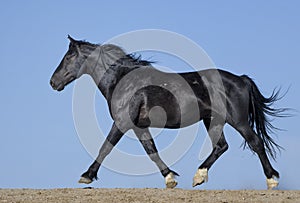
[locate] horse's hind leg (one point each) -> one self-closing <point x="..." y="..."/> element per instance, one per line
<point x="257" y="145"/>
<point x="147" y="141"/>
<point x="215" y="131"/>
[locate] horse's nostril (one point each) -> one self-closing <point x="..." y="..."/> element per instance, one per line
<point x="51" y="83"/>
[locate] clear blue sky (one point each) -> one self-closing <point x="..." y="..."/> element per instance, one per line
<point x="39" y="147"/>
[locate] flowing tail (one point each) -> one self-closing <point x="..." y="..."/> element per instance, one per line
<point x="260" y="108"/>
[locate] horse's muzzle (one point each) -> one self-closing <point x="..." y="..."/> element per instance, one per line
<point x="58" y="87"/>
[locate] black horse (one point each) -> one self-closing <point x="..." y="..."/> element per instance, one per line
<point x="133" y="87"/>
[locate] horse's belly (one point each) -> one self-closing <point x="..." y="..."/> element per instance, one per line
<point x="169" y="116"/>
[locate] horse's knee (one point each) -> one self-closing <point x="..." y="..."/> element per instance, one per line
<point x="154" y="157"/>
<point x="221" y="147"/>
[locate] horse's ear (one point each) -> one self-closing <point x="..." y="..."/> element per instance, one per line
<point x="71" y="39"/>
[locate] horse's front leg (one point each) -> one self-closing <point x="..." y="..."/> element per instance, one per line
<point x="111" y="140"/>
<point x="147" y="141"/>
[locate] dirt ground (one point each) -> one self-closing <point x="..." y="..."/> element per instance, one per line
<point x="146" y="195"/>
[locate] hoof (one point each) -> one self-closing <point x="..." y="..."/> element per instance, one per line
<point x="200" y="177"/>
<point x="85" y="180"/>
<point x="170" y="181"/>
<point x="272" y="183"/>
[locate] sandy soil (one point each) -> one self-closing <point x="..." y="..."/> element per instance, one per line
<point x="146" y="195"/>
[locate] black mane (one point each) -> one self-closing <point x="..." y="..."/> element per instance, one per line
<point x="83" y="42"/>
<point x="129" y="60"/>
<point x="80" y="43"/>
<point x="133" y="60"/>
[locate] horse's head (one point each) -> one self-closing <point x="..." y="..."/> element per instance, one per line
<point x="73" y="64"/>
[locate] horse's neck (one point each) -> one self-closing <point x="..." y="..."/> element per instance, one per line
<point x="110" y="79"/>
<point x="98" y="64"/>
<point x="98" y="70"/>
<point x="105" y="74"/>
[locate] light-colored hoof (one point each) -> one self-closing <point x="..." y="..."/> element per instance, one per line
<point x="200" y="177"/>
<point x="272" y="183"/>
<point x="170" y="180"/>
<point x="85" y="180"/>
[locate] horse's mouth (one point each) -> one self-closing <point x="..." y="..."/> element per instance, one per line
<point x="62" y="85"/>
<point x="68" y="82"/>
<point x="58" y="87"/>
